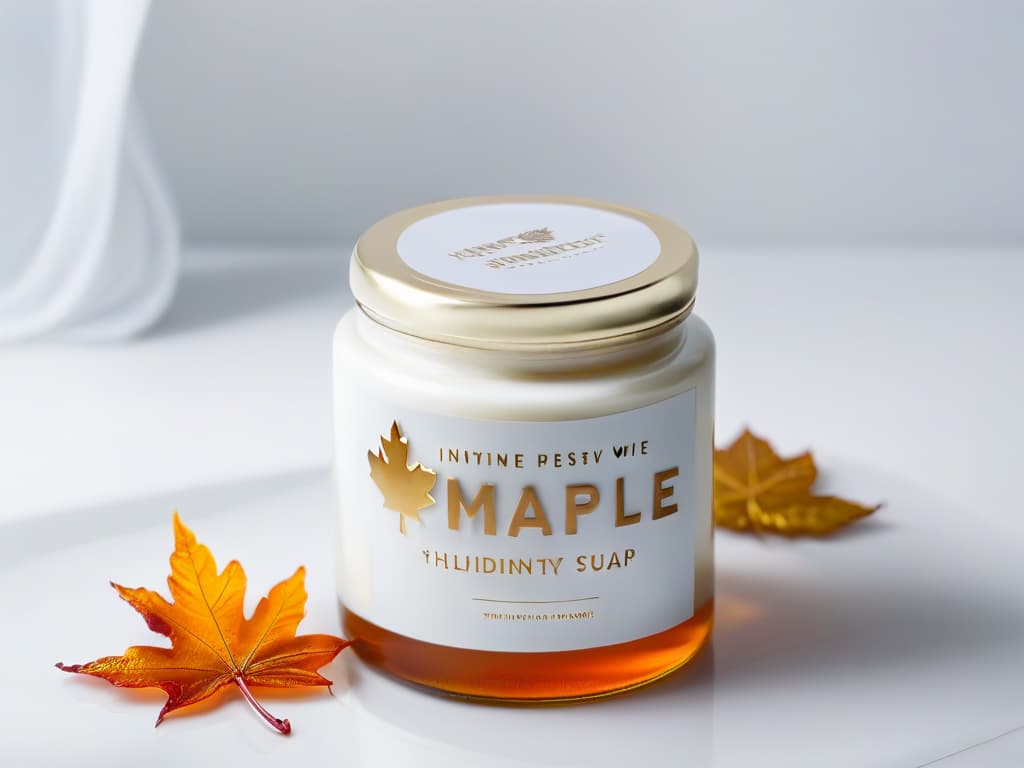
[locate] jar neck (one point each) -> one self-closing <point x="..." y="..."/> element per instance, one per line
<point x="615" y="355"/>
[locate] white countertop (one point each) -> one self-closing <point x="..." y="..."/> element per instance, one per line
<point x="901" y="369"/>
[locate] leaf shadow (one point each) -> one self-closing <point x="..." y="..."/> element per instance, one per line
<point x="865" y="527"/>
<point x="99" y="687"/>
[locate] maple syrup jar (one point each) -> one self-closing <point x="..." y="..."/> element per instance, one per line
<point x="523" y="447"/>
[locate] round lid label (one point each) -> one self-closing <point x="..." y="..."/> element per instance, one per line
<point x="529" y="248"/>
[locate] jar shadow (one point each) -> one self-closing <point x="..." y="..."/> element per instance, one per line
<point x="670" y="719"/>
<point x="769" y="627"/>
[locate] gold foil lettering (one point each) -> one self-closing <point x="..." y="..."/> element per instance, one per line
<point x="621" y="518"/>
<point x="630" y="449"/>
<point x="484" y="498"/>
<point x="466" y="456"/>
<point x="546" y="561"/>
<point x="663" y="492"/>
<point x="520" y="566"/>
<point x="604" y="562"/>
<point x="525" y="566"/>
<point x="532" y="255"/>
<point x="529" y="500"/>
<point x="574" y="508"/>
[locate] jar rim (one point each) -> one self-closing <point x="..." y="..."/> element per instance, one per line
<point x="633" y="280"/>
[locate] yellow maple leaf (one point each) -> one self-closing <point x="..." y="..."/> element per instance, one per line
<point x="406" y="488"/>
<point x="757" y="490"/>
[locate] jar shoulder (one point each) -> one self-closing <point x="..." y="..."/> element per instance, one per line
<point x="444" y="379"/>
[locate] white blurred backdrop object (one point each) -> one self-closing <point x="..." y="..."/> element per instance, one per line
<point x="88" y="235"/>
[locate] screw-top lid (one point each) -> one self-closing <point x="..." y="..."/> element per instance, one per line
<point x="526" y="272"/>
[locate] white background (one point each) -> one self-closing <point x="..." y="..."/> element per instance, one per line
<point x="764" y="127"/>
<point x="749" y="122"/>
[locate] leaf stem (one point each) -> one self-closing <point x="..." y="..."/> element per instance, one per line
<point x="279" y="725"/>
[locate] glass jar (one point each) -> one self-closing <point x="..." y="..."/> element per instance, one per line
<point x="523" y="448"/>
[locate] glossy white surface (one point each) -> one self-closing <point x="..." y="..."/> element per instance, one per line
<point x="896" y="644"/>
<point x="892" y="645"/>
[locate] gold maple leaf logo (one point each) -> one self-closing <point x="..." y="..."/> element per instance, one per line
<point x="544" y="235"/>
<point x="406" y="488"/>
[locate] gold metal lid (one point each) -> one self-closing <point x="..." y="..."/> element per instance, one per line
<point x="528" y="272"/>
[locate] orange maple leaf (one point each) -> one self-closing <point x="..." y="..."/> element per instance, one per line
<point x="406" y="488"/>
<point x="212" y="643"/>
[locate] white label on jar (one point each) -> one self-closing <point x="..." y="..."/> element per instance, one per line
<point x="529" y="248"/>
<point x="518" y="536"/>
